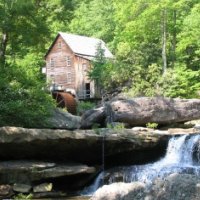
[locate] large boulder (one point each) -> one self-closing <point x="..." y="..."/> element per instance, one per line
<point x="5" y="191"/>
<point x="174" y="186"/>
<point x="93" y="117"/>
<point x="119" y="191"/>
<point x="61" y="119"/>
<point x="143" y="110"/>
<point x="83" y="146"/>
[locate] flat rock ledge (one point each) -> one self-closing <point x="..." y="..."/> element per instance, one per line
<point x="85" y="146"/>
<point x="27" y="172"/>
<point x="44" y="177"/>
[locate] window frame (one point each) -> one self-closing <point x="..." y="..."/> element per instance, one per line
<point x="52" y="62"/>
<point x="52" y="78"/>
<point x="69" y="77"/>
<point x="59" y="45"/>
<point x="84" y="67"/>
<point x="68" y="61"/>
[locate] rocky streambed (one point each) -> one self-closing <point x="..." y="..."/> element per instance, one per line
<point x="58" y="161"/>
<point x="50" y="162"/>
<point x="175" y="186"/>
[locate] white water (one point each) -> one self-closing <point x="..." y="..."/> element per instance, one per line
<point x="178" y="159"/>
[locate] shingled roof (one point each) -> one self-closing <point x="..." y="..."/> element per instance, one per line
<point x="83" y="46"/>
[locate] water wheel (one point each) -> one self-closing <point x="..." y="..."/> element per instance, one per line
<point x="65" y="100"/>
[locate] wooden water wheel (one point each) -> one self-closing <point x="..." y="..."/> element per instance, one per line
<point x="65" y="100"/>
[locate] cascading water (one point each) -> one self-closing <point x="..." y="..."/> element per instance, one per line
<point x="178" y="159"/>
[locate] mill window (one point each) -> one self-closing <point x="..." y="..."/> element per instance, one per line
<point x="84" y="67"/>
<point x="52" y="62"/>
<point x="69" y="77"/>
<point x="59" y="45"/>
<point x="52" y="78"/>
<point x="68" y="61"/>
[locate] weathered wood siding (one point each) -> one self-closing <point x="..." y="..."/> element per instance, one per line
<point x="82" y="67"/>
<point x="58" y="70"/>
<point x="73" y="75"/>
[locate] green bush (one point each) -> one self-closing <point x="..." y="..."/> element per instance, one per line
<point x="23" y="196"/>
<point x="116" y="126"/>
<point x="181" y="82"/>
<point x="84" y="106"/>
<point x="96" y="128"/>
<point x="23" y="102"/>
<point x="152" y="125"/>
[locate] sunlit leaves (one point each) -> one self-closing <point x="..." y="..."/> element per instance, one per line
<point x="96" y="19"/>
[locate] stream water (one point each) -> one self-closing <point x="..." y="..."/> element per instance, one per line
<point x="179" y="158"/>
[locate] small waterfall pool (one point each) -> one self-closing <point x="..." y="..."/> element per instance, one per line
<point x="179" y="158"/>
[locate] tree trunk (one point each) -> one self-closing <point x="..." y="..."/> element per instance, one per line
<point x="164" y="39"/>
<point x="3" y="45"/>
<point x="174" y="39"/>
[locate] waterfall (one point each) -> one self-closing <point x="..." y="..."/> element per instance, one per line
<point x="178" y="159"/>
<point x="99" y="181"/>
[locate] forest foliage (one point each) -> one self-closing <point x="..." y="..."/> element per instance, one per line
<point x="156" y="45"/>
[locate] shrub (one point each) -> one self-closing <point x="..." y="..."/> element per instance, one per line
<point x="23" y="196"/>
<point x="152" y="125"/>
<point x="23" y="102"/>
<point x="84" y="106"/>
<point x="116" y="126"/>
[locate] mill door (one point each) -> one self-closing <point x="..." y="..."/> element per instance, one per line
<point x="87" y="90"/>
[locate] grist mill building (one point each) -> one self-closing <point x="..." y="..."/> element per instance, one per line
<point x="68" y="60"/>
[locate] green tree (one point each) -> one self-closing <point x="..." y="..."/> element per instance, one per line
<point x="23" y="102"/>
<point x="189" y="42"/>
<point x="95" y="18"/>
<point x="181" y="82"/>
<point x="148" y="33"/>
<point x="24" y="32"/>
<point x="98" y="68"/>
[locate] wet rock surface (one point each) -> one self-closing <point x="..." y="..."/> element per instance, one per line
<point x="118" y="191"/>
<point x="174" y="186"/>
<point x="22" y="188"/>
<point x="6" y="191"/>
<point x="63" y="150"/>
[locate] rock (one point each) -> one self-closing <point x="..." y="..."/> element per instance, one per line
<point x="197" y="126"/>
<point x="181" y="131"/>
<point x="193" y="122"/>
<point x="92" y="117"/>
<point x="22" y="188"/>
<point x="55" y="195"/>
<point x="174" y="186"/>
<point x="64" y="120"/>
<point x="82" y="146"/>
<point x="143" y="110"/>
<point x="141" y="129"/>
<point x="5" y="191"/>
<point x="27" y="172"/>
<point x="117" y="191"/>
<point x="44" y="187"/>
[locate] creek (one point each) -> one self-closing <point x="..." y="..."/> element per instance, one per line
<point x="182" y="156"/>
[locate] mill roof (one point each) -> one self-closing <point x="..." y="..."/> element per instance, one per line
<point x="84" y="46"/>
